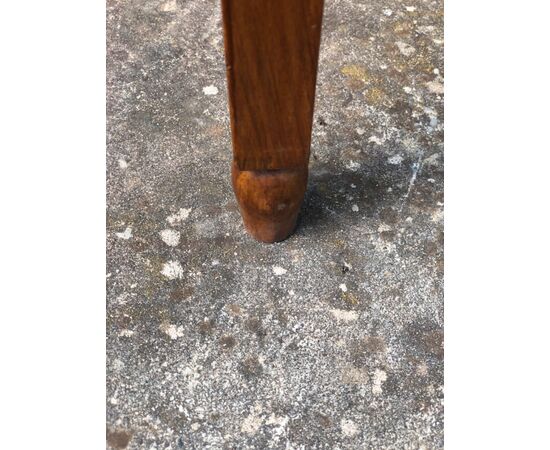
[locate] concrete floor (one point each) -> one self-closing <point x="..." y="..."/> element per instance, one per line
<point x="332" y="339"/>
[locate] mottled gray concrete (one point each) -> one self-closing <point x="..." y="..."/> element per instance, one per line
<point x="329" y="340"/>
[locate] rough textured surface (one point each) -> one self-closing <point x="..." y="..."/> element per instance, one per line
<point x="331" y="339"/>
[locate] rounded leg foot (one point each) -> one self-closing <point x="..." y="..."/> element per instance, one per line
<point x="269" y="200"/>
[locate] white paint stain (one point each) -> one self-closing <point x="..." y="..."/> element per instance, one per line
<point x="349" y="427"/>
<point x="376" y="140"/>
<point x="210" y="90"/>
<point x="118" y="365"/>
<point x="388" y="12"/>
<point x="126" y="234"/>
<point x="352" y="165"/>
<point x="343" y="288"/>
<point x="426" y="29"/>
<point x="437" y="216"/>
<point x="122" y="164"/>
<point x="172" y="270"/>
<point x="343" y="315"/>
<point x="407" y="89"/>
<point x="354" y="208"/>
<point x="170" y="237"/>
<point x="275" y="420"/>
<point x="422" y="369"/>
<point x="170" y="6"/>
<point x="178" y="217"/>
<point x="126" y="333"/>
<point x="405" y="48"/>
<point x="377" y="379"/>
<point x="396" y="159"/>
<point x="432" y="160"/>
<point x="253" y="422"/>
<point x="279" y="424"/>
<point x="354" y="375"/>
<point x="277" y="270"/>
<point x="171" y="330"/>
<point x="435" y="87"/>
<point x="410" y="8"/>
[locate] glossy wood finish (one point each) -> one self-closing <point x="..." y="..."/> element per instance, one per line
<point x="271" y="49"/>
<point x="269" y="200"/>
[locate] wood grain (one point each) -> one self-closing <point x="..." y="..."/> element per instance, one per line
<point x="272" y="49"/>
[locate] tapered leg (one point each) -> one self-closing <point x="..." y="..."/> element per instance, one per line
<point x="271" y="51"/>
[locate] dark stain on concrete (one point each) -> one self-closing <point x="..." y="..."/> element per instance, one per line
<point x="118" y="439"/>
<point x="227" y="342"/>
<point x="251" y="367"/>
<point x="254" y="325"/>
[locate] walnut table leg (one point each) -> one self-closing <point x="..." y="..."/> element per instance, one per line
<point x="271" y="52"/>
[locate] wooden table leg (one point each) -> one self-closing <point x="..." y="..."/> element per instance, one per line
<point x="271" y="52"/>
